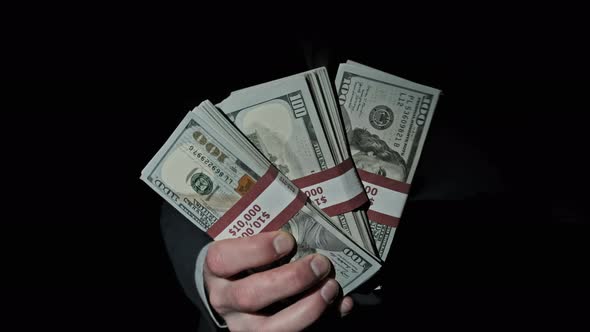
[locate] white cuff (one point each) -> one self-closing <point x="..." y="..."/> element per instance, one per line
<point x="200" y="283"/>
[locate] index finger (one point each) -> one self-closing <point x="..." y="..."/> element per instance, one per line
<point x="229" y="257"/>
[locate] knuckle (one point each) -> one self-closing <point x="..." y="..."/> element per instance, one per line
<point x="244" y="298"/>
<point x="296" y="276"/>
<point x="243" y="322"/>
<point x="291" y="277"/>
<point x="216" y="301"/>
<point x="235" y="325"/>
<point x="265" y="328"/>
<point x="215" y="260"/>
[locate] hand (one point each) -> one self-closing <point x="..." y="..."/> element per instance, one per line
<point x="239" y="299"/>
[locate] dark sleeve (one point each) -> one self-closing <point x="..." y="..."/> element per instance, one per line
<point x="183" y="242"/>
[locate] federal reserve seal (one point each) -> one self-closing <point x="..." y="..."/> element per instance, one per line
<point x="381" y="117"/>
<point x="201" y="183"/>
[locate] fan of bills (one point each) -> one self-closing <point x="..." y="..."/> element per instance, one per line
<point x="334" y="170"/>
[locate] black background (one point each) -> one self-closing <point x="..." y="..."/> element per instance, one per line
<point x="496" y="234"/>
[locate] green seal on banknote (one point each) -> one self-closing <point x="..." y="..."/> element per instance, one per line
<point x="201" y="183"/>
<point x="381" y="117"/>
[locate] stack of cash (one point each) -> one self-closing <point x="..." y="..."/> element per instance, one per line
<point x="244" y="165"/>
<point x="207" y="166"/>
<point x="295" y="122"/>
<point x="386" y="119"/>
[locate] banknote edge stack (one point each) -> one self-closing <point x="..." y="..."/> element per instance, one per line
<point x="425" y="114"/>
<point x="322" y="103"/>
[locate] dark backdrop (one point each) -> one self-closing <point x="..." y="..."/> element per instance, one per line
<point x="495" y="235"/>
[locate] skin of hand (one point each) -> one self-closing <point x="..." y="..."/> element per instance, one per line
<point x="239" y="298"/>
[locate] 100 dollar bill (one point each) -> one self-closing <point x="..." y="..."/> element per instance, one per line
<point x="386" y="119"/>
<point x="281" y="119"/>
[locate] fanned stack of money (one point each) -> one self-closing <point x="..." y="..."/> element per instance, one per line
<point x="386" y="119"/>
<point x="295" y="122"/>
<point x="216" y="178"/>
<point x="289" y="155"/>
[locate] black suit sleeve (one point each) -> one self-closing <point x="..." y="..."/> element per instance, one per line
<point x="183" y="242"/>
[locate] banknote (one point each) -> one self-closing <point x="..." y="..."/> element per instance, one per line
<point x="386" y="119"/>
<point x="207" y="166"/>
<point x="283" y="119"/>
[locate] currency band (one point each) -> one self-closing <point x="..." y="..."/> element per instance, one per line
<point x="336" y="190"/>
<point x="271" y="202"/>
<point x="387" y="197"/>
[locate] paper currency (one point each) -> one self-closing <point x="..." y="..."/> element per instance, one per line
<point x="207" y="166"/>
<point x="295" y="123"/>
<point x="386" y="119"/>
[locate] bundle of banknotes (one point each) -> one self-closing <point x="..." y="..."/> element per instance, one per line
<point x="331" y="165"/>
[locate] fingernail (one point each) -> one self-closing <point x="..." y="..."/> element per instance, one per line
<point x="282" y="243"/>
<point x="329" y="291"/>
<point x="346" y="306"/>
<point x="320" y="265"/>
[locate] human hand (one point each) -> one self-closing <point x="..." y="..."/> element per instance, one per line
<point x="240" y="299"/>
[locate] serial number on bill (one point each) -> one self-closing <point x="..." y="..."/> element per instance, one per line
<point x="209" y="164"/>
